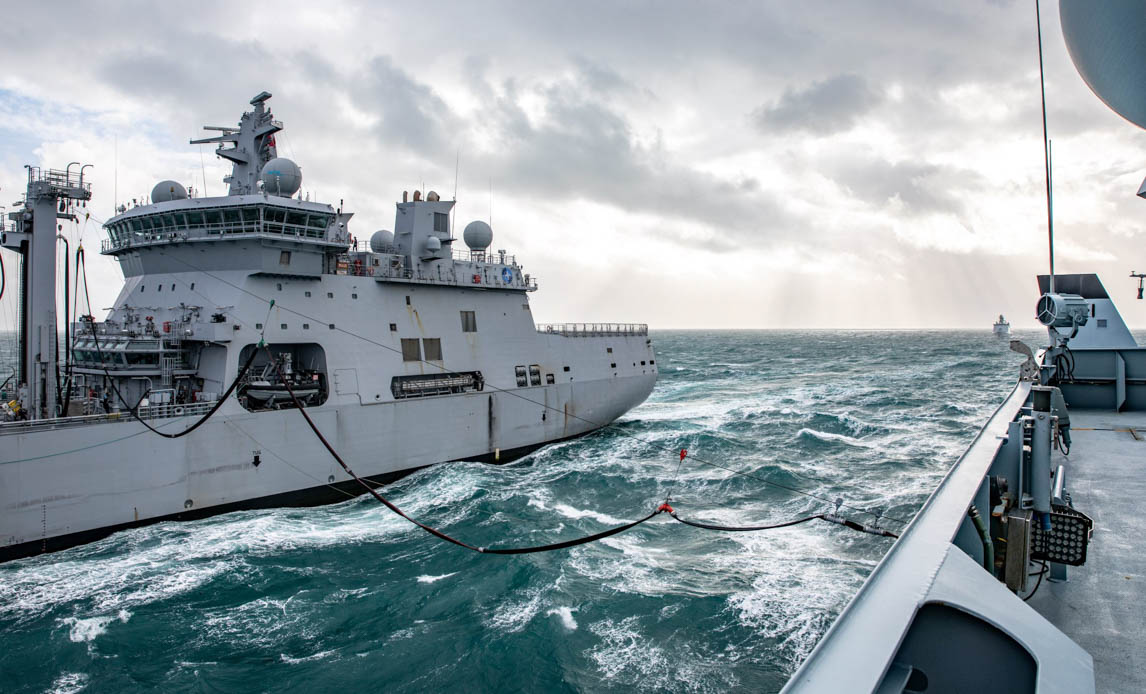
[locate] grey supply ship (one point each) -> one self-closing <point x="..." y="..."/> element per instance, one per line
<point x="405" y="351"/>
<point x="980" y="593"/>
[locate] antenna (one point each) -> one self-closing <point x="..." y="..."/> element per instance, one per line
<point x="203" y="168"/>
<point x="453" y="210"/>
<point x="115" y="194"/>
<point x="491" y="202"/>
<point x="1046" y="146"/>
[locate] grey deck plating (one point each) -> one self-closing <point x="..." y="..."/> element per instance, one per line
<point x="1100" y="607"/>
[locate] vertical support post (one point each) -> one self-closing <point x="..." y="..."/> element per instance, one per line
<point x="1040" y="482"/>
<point x="40" y="318"/>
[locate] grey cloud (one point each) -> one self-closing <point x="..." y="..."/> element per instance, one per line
<point x="584" y="149"/>
<point x="822" y="108"/>
<point x="410" y="113"/>
<point x="922" y="187"/>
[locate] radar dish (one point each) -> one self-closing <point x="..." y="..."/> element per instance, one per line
<point x="1107" y="42"/>
<point x="477" y="235"/>
<point x="165" y="191"/>
<point x="381" y="240"/>
<point x="281" y="176"/>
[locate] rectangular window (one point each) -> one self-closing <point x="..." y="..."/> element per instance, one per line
<point x="258" y="326"/>
<point x="192" y="286"/>
<point x="566" y="368"/>
<point x="608" y="350"/>
<point x="283" y="326"/>
<point x="549" y="379"/>
<point x="1102" y="322"/>
<point x="393" y="327"/>
<point x="330" y="295"/>
<point x="307" y="294"/>
<point x="407" y="299"/>
<point x="522" y="381"/>
<point x="441" y="222"/>
<point x="332" y="326"/>
<point x="433" y="347"/>
<point x="411" y="349"/>
<point x="613" y="365"/>
<point x="469" y="322"/>
<point x="284" y="258"/>
<point x="306" y="326"/>
<point x="354" y="296"/>
<point x="534" y="375"/>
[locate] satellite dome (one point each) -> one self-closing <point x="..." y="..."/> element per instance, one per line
<point x="281" y="176"/>
<point x="433" y="244"/>
<point x="380" y="240"/>
<point x="478" y="236"/>
<point x="1107" y="42"/>
<point x="168" y="190"/>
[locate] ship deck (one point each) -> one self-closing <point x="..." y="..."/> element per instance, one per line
<point x="1101" y="606"/>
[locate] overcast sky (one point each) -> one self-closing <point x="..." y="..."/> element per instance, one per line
<point x="716" y="165"/>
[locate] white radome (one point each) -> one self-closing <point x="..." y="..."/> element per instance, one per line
<point x="380" y="240"/>
<point x="477" y="235"/>
<point x="165" y="191"/>
<point x="281" y="176"/>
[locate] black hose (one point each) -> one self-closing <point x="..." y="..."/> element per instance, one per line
<point x="434" y="531"/>
<point x="749" y="528"/>
<point x="135" y="410"/>
<point x="1039" y="582"/>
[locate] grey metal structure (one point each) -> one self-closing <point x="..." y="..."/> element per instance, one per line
<point x="1052" y="482"/>
<point x="406" y="350"/>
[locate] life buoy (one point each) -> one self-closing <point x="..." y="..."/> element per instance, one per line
<point x="178" y="411"/>
<point x="477" y="279"/>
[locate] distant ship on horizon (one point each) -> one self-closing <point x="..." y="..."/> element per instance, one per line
<point x="1002" y="328"/>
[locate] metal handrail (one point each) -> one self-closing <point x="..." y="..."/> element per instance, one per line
<point x="592" y="329"/>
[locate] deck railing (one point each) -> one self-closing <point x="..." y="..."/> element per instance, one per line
<point x="592" y="329"/>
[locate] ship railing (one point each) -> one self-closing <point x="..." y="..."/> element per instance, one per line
<point x="149" y="238"/>
<point x="57" y="178"/>
<point x="151" y="412"/>
<point x="592" y="329"/>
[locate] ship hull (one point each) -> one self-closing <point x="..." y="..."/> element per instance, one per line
<point x="67" y="486"/>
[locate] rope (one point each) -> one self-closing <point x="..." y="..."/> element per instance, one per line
<point x="749" y="528"/>
<point x="598" y="425"/>
<point x="433" y="531"/>
<point x="135" y="410"/>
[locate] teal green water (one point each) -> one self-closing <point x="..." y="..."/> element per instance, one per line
<point x="349" y="597"/>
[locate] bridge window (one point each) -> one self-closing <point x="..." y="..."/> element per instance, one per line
<point x="549" y="379"/>
<point x="433" y="347"/>
<point x="441" y="222"/>
<point x="411" y="349"/>
<point x="522" y="381"/>
<point x="469" y="322"/>
<point x="284" y="258"/>
<point x="534" y="375"/>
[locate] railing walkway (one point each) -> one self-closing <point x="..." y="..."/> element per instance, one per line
<point x="151" y="412"/>
<point x="593" y="329"/>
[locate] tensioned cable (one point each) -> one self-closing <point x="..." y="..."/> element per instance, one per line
<point x="135" y="410"/>
<point x="611" y="425"/>
<point x="433" y="531"/>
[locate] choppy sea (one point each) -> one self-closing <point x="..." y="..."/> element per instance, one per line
<point x="351" y="598"/>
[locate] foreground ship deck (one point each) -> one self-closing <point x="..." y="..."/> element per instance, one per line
<point x="1100" y="608"/>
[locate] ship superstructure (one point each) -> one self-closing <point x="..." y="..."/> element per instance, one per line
<point x="1001" y="328"/>
<point x="406" y="350"/>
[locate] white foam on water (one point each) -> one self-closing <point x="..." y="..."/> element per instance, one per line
<point x="828" y="436"/>
<point x="432" y="579"/>
<point x="321" y="655"/>
<point x="625" y="656"/>
<point x="566" y="615"/>
<point x="69" y="683"/>
<point x="514" y="615"/>
<point x="85" y="630"/>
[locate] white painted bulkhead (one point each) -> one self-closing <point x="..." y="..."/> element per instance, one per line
<point x="67" y="479"/>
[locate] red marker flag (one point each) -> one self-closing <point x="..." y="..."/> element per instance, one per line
<point x="683" y="453"/>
